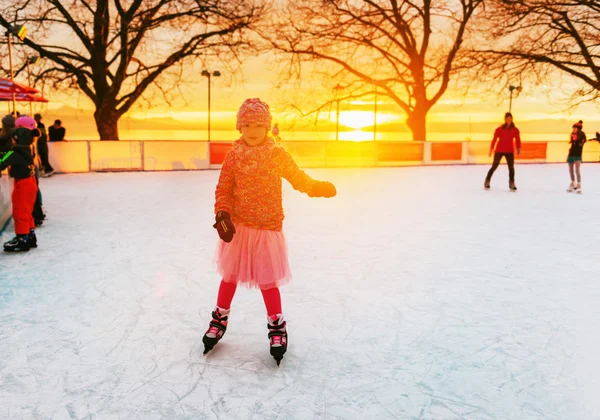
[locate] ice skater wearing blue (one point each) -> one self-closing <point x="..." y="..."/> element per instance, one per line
<point x="577" y="141"/>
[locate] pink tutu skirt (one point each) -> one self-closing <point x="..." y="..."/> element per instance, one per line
<point x="255" y="258"/>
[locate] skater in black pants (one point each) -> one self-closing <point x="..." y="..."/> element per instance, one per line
<point x="506" y="137"/>
<point x="577" y="140"/>
<point x="42" y="146"/>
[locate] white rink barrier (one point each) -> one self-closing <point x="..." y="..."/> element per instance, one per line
<point x="103" y="156"/>
<point x="6" y="184"/>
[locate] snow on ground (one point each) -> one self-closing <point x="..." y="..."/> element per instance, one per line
<point x="416" y="294"/>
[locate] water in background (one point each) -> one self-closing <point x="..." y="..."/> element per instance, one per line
<point x="230" y="135"/>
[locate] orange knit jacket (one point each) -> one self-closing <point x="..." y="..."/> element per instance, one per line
<point x="249" y="187"/>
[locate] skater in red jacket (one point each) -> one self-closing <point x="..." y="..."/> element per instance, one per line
<point x="506" y="137"/>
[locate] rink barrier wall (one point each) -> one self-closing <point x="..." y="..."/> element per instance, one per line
<point x="5" y="199"/>
<point x="110" y="156"/>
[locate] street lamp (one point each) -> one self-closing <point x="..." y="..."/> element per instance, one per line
<point x="375" y="117"/>
<point x="208" y="75"/>
<point x="21" y="33"/>
<point x="34" y="59"/>
<point x="336" y="90"/>
<point x="511" y="88"/>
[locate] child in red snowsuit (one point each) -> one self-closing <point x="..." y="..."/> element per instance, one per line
<point x="22" y="169"/>
<point x="249" y="219"/>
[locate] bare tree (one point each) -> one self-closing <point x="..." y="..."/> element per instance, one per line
<point x="407" y="50"/>
<point x="538" y="39"/>
<point x="115" y="51"/>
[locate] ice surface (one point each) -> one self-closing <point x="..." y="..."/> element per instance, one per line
<point x="416" y="294"/>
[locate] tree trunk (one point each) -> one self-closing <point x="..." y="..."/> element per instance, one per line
<point x="107" y="123"/>
<point x="417" y="122"/>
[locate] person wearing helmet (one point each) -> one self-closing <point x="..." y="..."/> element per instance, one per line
<point x="22" y="168"/>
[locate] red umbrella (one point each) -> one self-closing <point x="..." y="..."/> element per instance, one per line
<point x="21" y="97"/>
<point x="9" y="87"/>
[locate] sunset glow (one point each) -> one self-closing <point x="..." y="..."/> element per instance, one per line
<point x="362" y="119"/>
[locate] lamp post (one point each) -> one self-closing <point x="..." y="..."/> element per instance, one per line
<point x="21" y="33"/>
<point x="375" y="117"/>
<point x="336" y="90"/>
<point x="208" y="75"/>
<point x="511" y="88"/>
<point x="34" y="59"/>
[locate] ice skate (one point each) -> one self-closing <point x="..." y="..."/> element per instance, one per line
<point x="32" y="239"/>
<point x="578" y="188"/>
<point x="19" y="243"/>
<point x="216" y="328"/>
<point x="486" y="184"/>
<point x="571" y="187"/>
<point x="512" y="186"/>
<point x="277" y="336"/>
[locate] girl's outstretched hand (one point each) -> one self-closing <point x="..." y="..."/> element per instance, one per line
<point x="224" y="226"/>
<point x="323" y="189"/>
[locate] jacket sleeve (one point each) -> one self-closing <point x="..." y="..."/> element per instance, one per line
<point x="224" y="191"/>
<point x="299" y="180"/>
<point x="495" y="139"/>
<point x="10" y="158"/>
<point x="517" y="138"/>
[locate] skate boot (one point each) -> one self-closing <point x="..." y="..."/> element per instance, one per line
<point x="277" y="336"/>
<point x="216" y="328"/>
<point x="19" y="243"/>
<point x="571" y="187"/>
<point x="32" y="239"/>
<point x="486" y="184"/>
<point x="578" y="188"/>
<point x="512" y="186"/>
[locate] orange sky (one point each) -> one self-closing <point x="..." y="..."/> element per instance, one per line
<point x="260" y="75"/>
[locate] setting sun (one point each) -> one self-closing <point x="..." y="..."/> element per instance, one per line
<point x="361" y="119"/>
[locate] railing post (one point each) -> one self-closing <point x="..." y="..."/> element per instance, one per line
<point x="426" y="153"/>
<point x="142" y="155"/>
<point x="89" y="152"/>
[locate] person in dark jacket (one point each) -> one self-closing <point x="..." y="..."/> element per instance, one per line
<point x="8" y="126"/>
<point x="577" y="140"/>
<point x="42" y="146"/>
<point x="22" y="169"/>
<point x="506" y="137"/>
<point x="57" y="132"/>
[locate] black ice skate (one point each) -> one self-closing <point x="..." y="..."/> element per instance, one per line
<point x="32" y="239"/>
<point x="19" y="243"/>
<point x="216" y="328"/>
<point x="512" y="186"/>
<point x="486" y="184"/>
<point x="277" y="336"/>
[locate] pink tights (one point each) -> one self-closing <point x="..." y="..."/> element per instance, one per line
<point x="271" y="297"/>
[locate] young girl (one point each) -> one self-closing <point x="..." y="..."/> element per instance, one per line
<point x="503" y="145"/>
<point x="249" y="218"/>
<point x="577" y="141"/>
<point x="22" y="169"/>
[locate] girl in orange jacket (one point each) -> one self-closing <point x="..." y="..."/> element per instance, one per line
<point x="249" y="219"/>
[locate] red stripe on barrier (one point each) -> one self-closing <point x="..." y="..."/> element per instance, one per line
<point x="399" y="152"/>
<point x="533" y="151"/>
<point x="218" y="151"/>
<point x="446" y="151"/>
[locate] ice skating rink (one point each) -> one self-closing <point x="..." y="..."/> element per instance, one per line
<point x="416" y="295"/>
